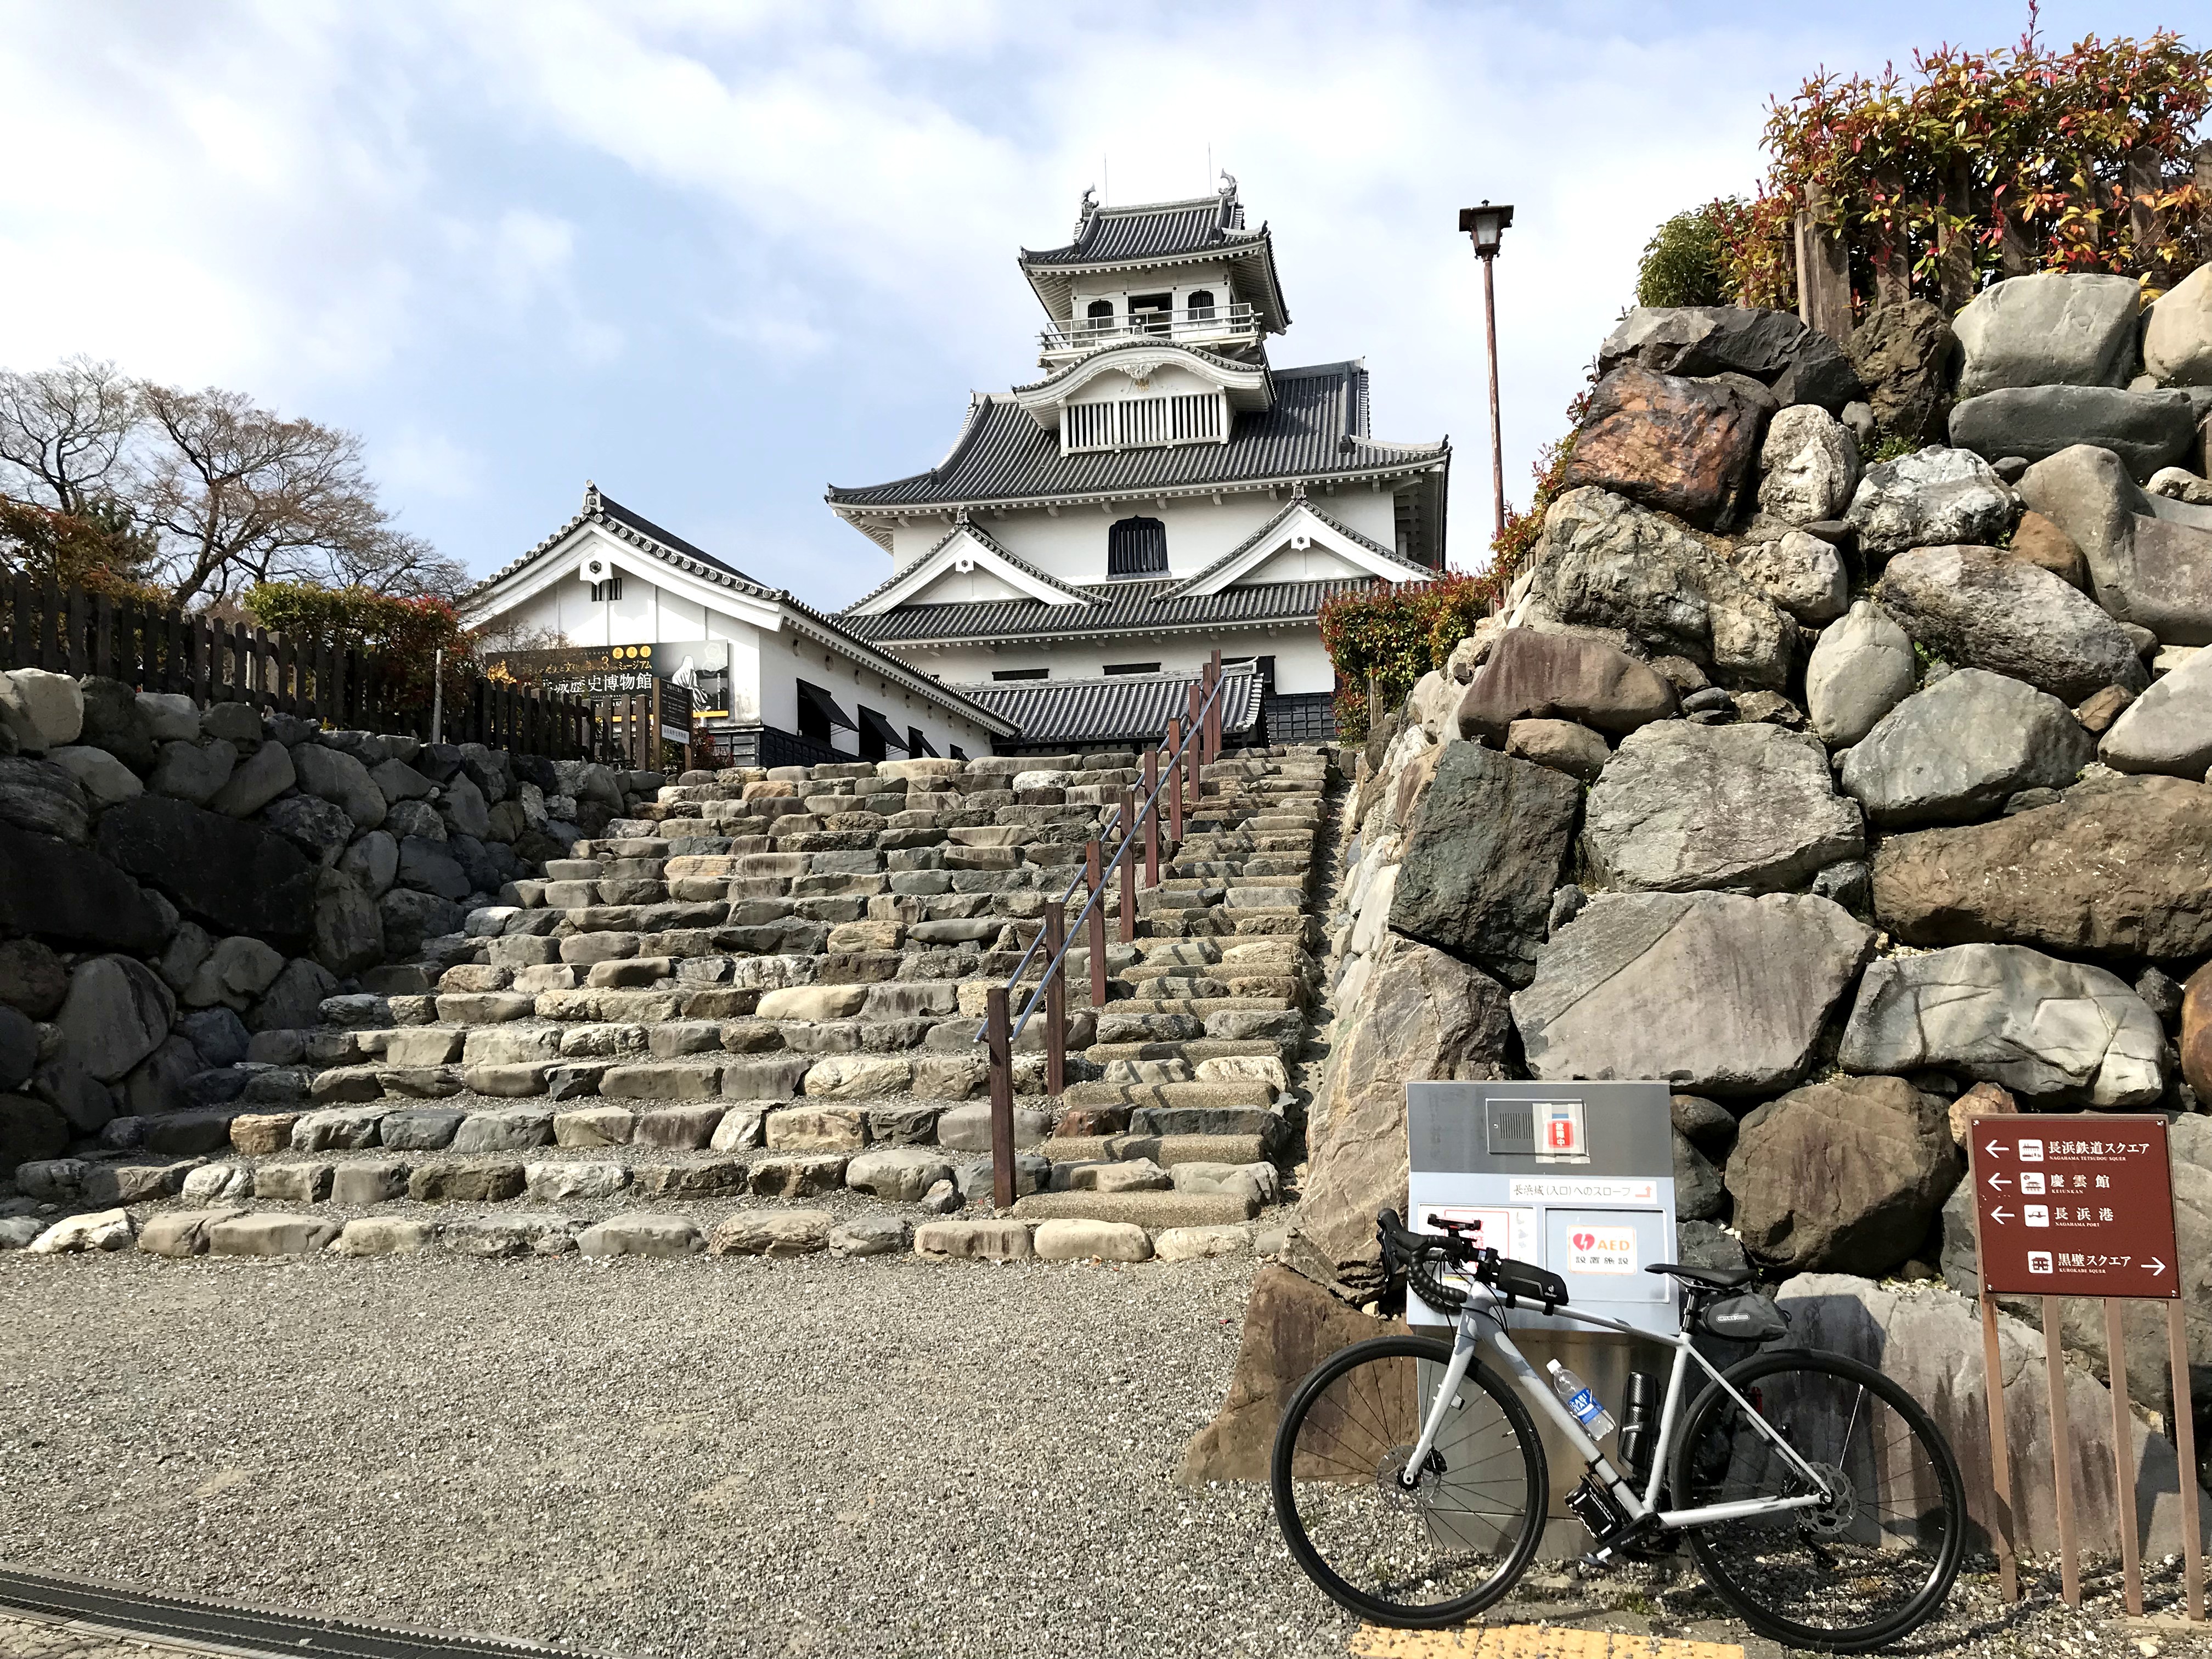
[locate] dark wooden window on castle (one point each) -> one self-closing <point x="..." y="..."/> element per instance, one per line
<point x="1136" y="547"/>
<point x="1201" y="305"/>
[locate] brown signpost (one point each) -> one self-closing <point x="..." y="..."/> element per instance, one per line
<point x="2081" y="1206"/>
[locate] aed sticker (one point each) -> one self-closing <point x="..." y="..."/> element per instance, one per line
<point x="1601" y="1250"/>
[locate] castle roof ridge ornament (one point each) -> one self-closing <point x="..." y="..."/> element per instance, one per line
<point x="1297" y="489"/>
<point x="591" y="497"/>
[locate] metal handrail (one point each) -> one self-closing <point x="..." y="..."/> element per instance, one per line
<point x="1239" y="319"/>
<point x="1135" y="829"/>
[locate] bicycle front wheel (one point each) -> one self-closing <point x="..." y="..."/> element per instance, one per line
<point x="1857" y="1571"/>
<point x="1416" y="1556"/>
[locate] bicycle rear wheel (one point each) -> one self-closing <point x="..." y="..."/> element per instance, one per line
<point x="1418" y="1557"/>
<point x="1853" y="1573"/>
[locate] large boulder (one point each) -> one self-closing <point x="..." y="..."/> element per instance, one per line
<point x="1800" y="365"/>
<point x="1977" y="608"/>
<point x="1800" y="573"/>
<point x="1843" y="1177"/>
<point x="45" y="799"/>
<point x="1861" y="668"/>
<point x="1530" y="675"/>
<point x="1606" y="562"/>
<point x="2149" y="558"/>
<point x="1682" y="446"/>
<point x="41" y="709"/>
<point x="30" y="1131"/>
<point x="114" y="721"/>
<point x="1907" y="358"/>
<point x="104" y="778"/>
<point x="333" y="776"/>
<point x="2052" y="328"/>
<point x="1808" y="466"/>
<point x="2167" y="729"/>
<point x="2147" y="430"/>
<point x="1931" y="498"/>
<point x="1929" y="1341"/>
<point x="2119" y="867"/>
<point x="2196" y="1032"/>
<point x="1421" y="1014"/>
<point x="116" y="1012"/>
<point x="235" y="877"/>
<point x="1489" y="843"/>
<point x="2177" y="340"/>
<point x="66" y="895"/>
<point x="1719" y="994"/>
<point x="261" y="777"/>
<point x="1960" y="749"/>
<point x="2055" y="1033"/>
<point x="1750" y="808"/>
<point x="1291" y="1325"/>
<point x="349" y="930"/>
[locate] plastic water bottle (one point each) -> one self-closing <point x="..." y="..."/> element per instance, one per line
<point x="1589" y="1410"/>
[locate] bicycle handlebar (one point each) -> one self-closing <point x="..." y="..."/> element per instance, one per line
<point x="1456" y="1247"/>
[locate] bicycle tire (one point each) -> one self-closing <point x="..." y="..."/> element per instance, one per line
<point x="1385" y="1424"/>
<point x="1896" y="1514"/>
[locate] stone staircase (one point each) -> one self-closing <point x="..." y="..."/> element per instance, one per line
<point x="770" y="986"/>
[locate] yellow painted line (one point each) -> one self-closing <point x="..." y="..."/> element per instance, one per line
<point x="1530" y="1642"/>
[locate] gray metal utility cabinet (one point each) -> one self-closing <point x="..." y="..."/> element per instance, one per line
<point x="1577" y="1177"/>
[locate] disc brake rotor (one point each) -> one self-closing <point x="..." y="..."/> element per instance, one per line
<point x="1834" y="1517"/>
<point x="1390" y="1472"/>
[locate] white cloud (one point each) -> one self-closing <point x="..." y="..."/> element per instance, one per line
<point x="415" y="462"/>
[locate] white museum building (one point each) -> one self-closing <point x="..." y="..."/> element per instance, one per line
<point x="1159" y="492"/>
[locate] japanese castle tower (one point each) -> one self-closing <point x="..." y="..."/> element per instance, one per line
<point x="1159" y="491"/>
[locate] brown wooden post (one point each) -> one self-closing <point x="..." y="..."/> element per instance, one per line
<point x="1174" y="783"/>
<point x="2124" y="1458"/>
<point x="2185" y="1445"/>
<point x="50" y="607"/>
<point x="1216" y="735"/>
<point x="1094" y="858"/>
<point x="1128" y="833"/>
<point x="653" y="747"/>
<point x="1002" y="1098"/>
<point x="2145" y="175"/>
<point x="1955" y="259"/>
<point x="2061" y="1452"/>
<point x="1197" y="738"/>
<point x="202" y="643"/>
<point x="1824" y="272"/>
<point x="75" y="643"/>
<point x="1152" y="817"/>
<point x="1055" y="1001"/>
<point x="103" y="637"/>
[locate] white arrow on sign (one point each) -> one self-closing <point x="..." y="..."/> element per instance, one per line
<point x="2155" y="1266"/>
<point x="2000" y="1216"/>
<point x="1999" y="1181"/>
<point x="1994" y="1148"/>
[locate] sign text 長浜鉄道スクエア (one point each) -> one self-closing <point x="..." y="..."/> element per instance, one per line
<point x="2074" y="1206"/>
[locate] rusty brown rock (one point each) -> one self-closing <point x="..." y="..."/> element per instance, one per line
<point x="2196" y="1032"/>
<point x="1681" y="446"/>
<point x="1534" y="676"/>
<point x="2098" y="713"/>
<point x="2036" y="541"/>
<point x="1291" y="1325"/>
<point x="1980" y="1101"/>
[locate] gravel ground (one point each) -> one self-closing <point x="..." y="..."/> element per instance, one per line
<point x="708" y="1457"/>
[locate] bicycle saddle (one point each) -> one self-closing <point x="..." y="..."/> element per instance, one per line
<point x="1713" y="1279"/>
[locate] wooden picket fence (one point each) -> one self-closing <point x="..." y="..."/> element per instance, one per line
<point x="70" y="631"/>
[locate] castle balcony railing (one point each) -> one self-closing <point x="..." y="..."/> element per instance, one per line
<point x="1218" y="324"/>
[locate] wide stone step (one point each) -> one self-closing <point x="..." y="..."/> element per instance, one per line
<point x="1239" y="1093"/>
<point x="1147" y="1210"/>
<point x="1166" y="1151"/>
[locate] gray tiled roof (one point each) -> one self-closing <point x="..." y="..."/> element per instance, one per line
<point x="1118" y="708"/>
<point x="1158" y="230"/>
<point x="1317" y="430"/>
<point x="1122" y="607"/>
<point x="980" y="534"/>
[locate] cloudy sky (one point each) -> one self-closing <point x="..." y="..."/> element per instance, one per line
<point x="718" y="253"/>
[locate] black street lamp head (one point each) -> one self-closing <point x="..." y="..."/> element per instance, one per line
<point x="1486" y="224"/>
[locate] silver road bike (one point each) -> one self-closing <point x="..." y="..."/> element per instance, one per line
<point x="1814" y="1494"/>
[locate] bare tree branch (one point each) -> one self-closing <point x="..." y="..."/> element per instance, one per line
<point x="64" y="433"/>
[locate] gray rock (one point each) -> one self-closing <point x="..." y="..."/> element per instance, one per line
<point x="1490" y="843"/>
<point x="171" y="717"/>
<point x="263" y="774"/>
<point x="1863" y="667"/>
<point x="32" y="977"/>
<point x="396" y="781"/>
<point x="417" y="818"/>
<point x="2177" y="340"/>
<point x="464" y="809"/>
<point x="193" y="771"/>
<point x="45" y="799"/>
<point x="1718" y="993"/>
<point x="900" y="1175"/>
<point x="373" y="862"/>
<point x="69" y="896"/>
<point x="1809" y="465"/>
<point x="513" y="1131"/>
<point x="2055" y="1032"/>
<point x="1681" y="807"/>
<point x="1907" y="357"/>
<point x="1699" y="1195"/>
<point x="1708" y="1126"/>
<point x="162" y="1083"/>
<point x="2052" y="328"/>
<point x="1849" y="884"/>
<point x="235" y="971"/>
<point x="349" y="929"/>
<point x="641" y="1235"/>
<point x="976" y="1179"/>
<point x="294" y="998"/>
<point x="870" y="1235"/>
<point x="1529" y="674"/>
<point x="2149" y="558"/>
<point x="410" y="917"/>
<point x="2148" y="430"/>
<point x="1931" y="498"/>
<point x="116" y="1012"/>
<point x="1563" y="746"/>
<point x="1846" y="1176"/>
<point x="1606" y="562"/>
<point x="341" y="779"/>
<point x="1800" y="365"/>
<point x="427" y="1129"/>
<point x="1958" y="750"/>
<point x="113" y="722"/>
<point x="43" y="710"/>
<point x="1976" y="608"/>
<point x="2167" y="729"/>
<point x="1801" y="573"/>
<point x="428" y="867"/>
<point x="104" y="778"/>
<point x="1706" y="1244"/>
<point x="217" y="1036"/>
<point x="19" y="1050"/>
<point x="314" y="825"/>
<point x="1419" y="1014"/>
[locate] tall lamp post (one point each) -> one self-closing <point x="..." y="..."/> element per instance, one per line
<point x="1487" y="225"/>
